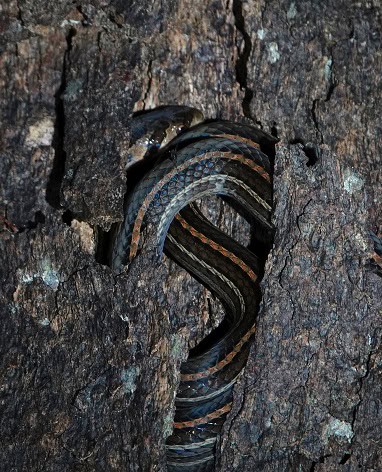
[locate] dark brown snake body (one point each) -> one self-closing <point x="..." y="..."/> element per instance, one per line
<point x="220" y="158"/>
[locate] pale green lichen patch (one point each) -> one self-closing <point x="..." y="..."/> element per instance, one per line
<point x="168" y="423"/>
<point x="261" y="33"/>
<point x="179" y="345"/>
<point x="273" y="52"/>
<point x="40" y="133"/>
<point x="361" y="241"/>
<point x="128" y="379"/>
<point x="292" y="11"/>
<point x="44" y="322"/>
<point x="328" y="69"/>
<point x="73" y="88"/>
<point x="352" y="181"/>
<point x="70" y="23"/>
<point x="339" y="428"/>
<point x="47" y="274"/>
<point x="26" y="278"/>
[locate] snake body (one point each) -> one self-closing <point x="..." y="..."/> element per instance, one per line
<point x="213" y="158"/>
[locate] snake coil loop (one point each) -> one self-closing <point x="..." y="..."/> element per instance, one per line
<point x="212" y="158"/>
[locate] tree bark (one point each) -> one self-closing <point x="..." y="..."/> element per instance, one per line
<point x="90" y="359"/>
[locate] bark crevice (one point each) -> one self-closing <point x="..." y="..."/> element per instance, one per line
<point x="53" y="188"/>
<point x="241" y="66"/>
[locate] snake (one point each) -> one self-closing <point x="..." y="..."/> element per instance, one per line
<point x="194" y="159"/>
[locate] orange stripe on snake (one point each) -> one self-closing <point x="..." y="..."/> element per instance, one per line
<point x="178" y="169"/>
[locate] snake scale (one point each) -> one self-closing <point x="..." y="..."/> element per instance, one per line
<point x="193" y="160"/>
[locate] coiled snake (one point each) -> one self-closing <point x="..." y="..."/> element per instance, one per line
<point x="220" y="158"/>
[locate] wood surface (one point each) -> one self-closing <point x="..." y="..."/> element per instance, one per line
<point x="89" y="360"/>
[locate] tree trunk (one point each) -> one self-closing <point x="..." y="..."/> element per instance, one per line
<point x="90" y="359"/>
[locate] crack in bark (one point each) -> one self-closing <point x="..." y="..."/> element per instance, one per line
<point x="239" y="403"/>
<point x="241" y="66"/>
<point x="321" y="460"/>
<point x="315" y="119"/>
<point x="329" y="74"/>
<point x="289" y="257"/>
<point x="302" y="214"/>
<point x="274" y="130"/>
<point x="332" y="81"/>
<point x="20" y="15"/>
<point x="99" y="36"/>
<point x="332" y="85"/>
<point x="85" y="19"/>
<point x="361" y="382"/>
<point x="53" y="188"/>
<point x="283" y="268"/>
<point x="149" y="83"/>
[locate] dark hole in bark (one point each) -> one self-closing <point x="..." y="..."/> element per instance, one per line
<point x="39" y="218"/>
<point x="104" y="243"/>
<point x="297" y="141"/>
<point x="312" y="153"/>
<point x="345" y="458"/>
<point x="67" y="217"/>
<point x="321" y="460"/>
<point x="310" y="150"/>
<point x="274" y="131"/>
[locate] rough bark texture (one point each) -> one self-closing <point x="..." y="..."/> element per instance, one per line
<point x="90" y="360"/>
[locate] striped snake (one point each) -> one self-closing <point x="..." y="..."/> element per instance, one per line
<point x="194" y="161"/>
